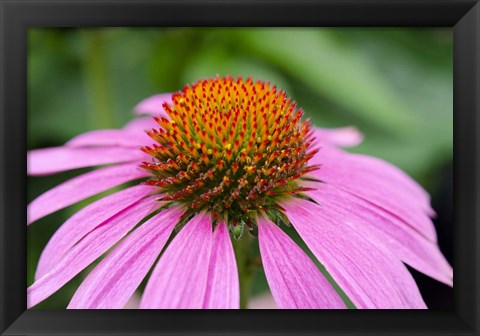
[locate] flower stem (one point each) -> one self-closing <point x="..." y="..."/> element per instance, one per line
<point x="97" y="80"/>
<point x="243" y="254"/>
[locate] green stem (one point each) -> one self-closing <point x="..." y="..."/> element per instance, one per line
<point x="97" y="80"/>
<point x="243" y="254"/>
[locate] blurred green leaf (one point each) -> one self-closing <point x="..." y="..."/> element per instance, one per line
<point x="339" y="72"/>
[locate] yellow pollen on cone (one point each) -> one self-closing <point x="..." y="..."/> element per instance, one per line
<point x="229" y="146"/>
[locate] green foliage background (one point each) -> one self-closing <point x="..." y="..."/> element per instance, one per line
<point x="395" y="85"/>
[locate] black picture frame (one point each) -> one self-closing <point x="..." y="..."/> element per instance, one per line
<point x="16" y="16"/>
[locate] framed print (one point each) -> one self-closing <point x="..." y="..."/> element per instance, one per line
<point x="315" y="160"/>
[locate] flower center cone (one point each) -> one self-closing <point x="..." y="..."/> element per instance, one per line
<point x="230" y="147"/>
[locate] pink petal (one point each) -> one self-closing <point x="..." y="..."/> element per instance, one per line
<point x="372" y="166"/>
<point x="84" y="221"/>
<point x="92" y="246"/>
<point x="262" y="301"/>
<point x="377" y="184"/>
<point x="111" y="284"/>
<point x="223" y="290"/>
<point x="345" y="136"/>
<point x="81" y="187"/>
<point x="180" y="278"/>
<point x="380" y="226"/>
<point x="295" y="281"/>
<point x="141" y="124"/>
<point x="115" y="137"/>
<point x="133" y="302"/>
<point x="154" y="105"/>
<point x="57" y="159"/>
<point x="369" y="275"/>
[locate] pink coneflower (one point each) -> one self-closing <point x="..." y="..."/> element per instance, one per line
<point x="231" y="160"/>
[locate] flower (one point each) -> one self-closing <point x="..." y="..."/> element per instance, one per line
<point x="219" y="159"/>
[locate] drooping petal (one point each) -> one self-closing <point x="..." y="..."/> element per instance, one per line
<point x="81" y="187"/>
<point x="262" y="301"/>
<point x="141" y="124"/>
<point x="179" y="280"/>
<point x="344" y="136"/>
<point x="386" y="190"/>
<point x="83" y="222"/>
<point x="223" y="290"/>
<point x="410" y="246"/>
<point x="57" y="159"/>
<point x="371" y="166"/>
<point x="154" y="105"/>
<point x="369" y="275"/>
<point x="87" y="250"/>
<point x="113" y="137"/>
<point x="115" y="279"/>
<point x="295" y="281"/>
